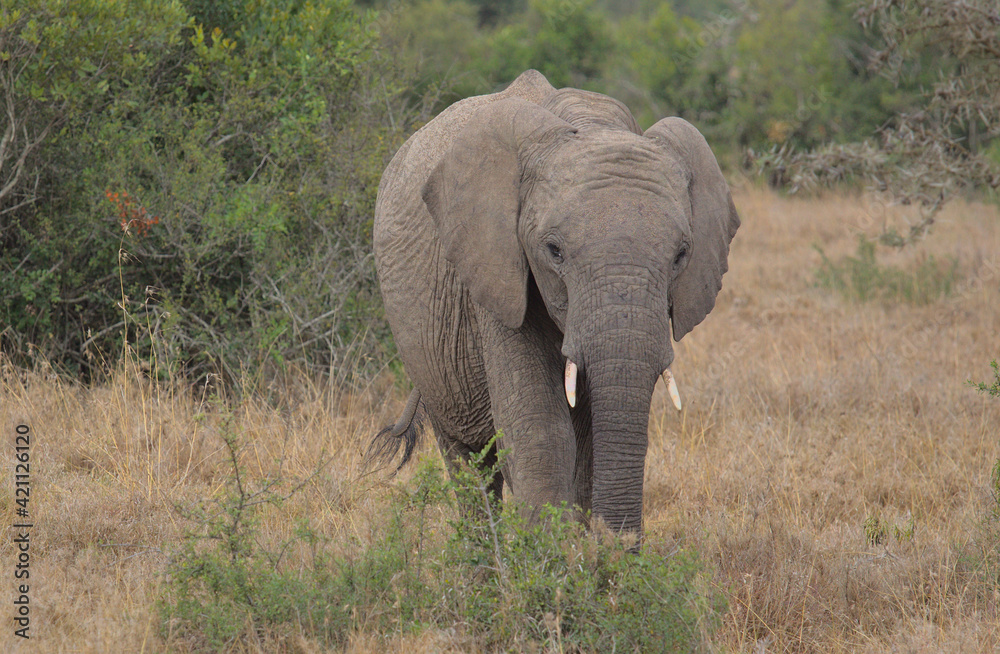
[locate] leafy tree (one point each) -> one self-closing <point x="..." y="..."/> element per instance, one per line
<point x="567" y="40"/>
<point x="701" y="10"/>
<point x="656" y="57"/>
<point x="434" y="40"/>
<point x="57" y="66"/>
<point x="789" y="74"/>
<point x="243" y="167"/>
<point x="943" y="144"/>
<point x="492" y="12"/>
<point x="779" y="95"/>
<point x="240" y="143"/>
<point x="64" y="67"/>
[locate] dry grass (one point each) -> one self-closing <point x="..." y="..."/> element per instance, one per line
<point x="805" y="416"/>
<point x="808" y="414"/>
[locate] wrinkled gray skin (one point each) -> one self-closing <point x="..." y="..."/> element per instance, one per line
<point x="524" y="227"/>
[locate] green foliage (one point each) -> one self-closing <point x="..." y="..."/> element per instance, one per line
<point x="567" y="40"/>
<point x="435" y="39"/>
<point x="493" y="11"/>
<point x="862" y="278"/>
<point x="878" y="530"/>
<point x="552" y="583"/>
<point x="777" y="93"/>
<point x="942" y="59"/>
<point x="257" y="144"/>
<point x="667" y="46"/>
<point x="748" y="73"/>
<point x="63" y="64"/>
<point x="509" y="584"/>
<point x="225" y="587"/>
<point x="991" y="390"/>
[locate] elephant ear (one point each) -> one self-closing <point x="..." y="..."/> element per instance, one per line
<point x="714" y="222"/>
<point x="473" y="195"/>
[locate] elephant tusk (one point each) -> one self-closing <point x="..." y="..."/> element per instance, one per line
<point x="570" y="383"/>
<point x="668" y="377"/>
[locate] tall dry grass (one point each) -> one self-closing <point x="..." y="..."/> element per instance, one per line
<point x="807" y="416"/>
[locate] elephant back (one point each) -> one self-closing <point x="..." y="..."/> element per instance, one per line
<point x="398" y="191"/>
<point x="586" y="109"/>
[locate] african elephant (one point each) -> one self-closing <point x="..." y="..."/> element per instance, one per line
<point x="534" y="248"/>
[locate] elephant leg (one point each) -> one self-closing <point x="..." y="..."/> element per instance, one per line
<point x="458" y="454"/>
<point x="524" y="369"/>
<point x="433" y="323"/>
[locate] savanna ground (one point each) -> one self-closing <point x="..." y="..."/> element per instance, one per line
<point x="831" y="467"/>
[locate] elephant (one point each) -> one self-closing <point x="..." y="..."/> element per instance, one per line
<point x="535" y="250"/>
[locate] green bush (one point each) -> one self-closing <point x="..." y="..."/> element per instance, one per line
<point x="862" y="278"/>
<point x="993" y="389"/>
<point x="505" y="584"/>
<point x="567" y="40"/>
<point x="250" y="152"/>
<point x="554" y="584"/>
<point x="748" y="74"/>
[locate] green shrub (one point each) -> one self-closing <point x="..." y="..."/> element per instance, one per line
<point x="479" y="568"/>
<point x="250" y="152"/>
<point x="877" y="530"/>
<point x="553" y="583"/>
<point x="993" y="389"/>
<point x="862" y="278"/>
<point x="568" y="41"/>
<point x="255" y="133"/>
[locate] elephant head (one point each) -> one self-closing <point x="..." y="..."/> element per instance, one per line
<point x="622" y="233"/>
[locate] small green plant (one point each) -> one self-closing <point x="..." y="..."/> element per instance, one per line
<point x="448" y="554"/>
<point x="861" y="278"/>
<point x="878" y="530"/>
<point x="903" y="533"/>
<point x="562" y="587"/>
<point x="222" y="585"/>
<point x="989" y="389"/>
<point x="875" y="530"/>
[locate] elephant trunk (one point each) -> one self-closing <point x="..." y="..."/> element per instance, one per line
<point x="620" y="390"/>
<point x="621" y="348"/>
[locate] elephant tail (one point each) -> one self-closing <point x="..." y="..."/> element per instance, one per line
<point x="383" y="448"/>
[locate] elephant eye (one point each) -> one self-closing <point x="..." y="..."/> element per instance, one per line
<point x="555" y="252"/>
<point x="679" y="257"/>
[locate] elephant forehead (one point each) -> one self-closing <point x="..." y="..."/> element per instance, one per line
<point x="621" y="161"/>
<point x="637" y="213"/>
